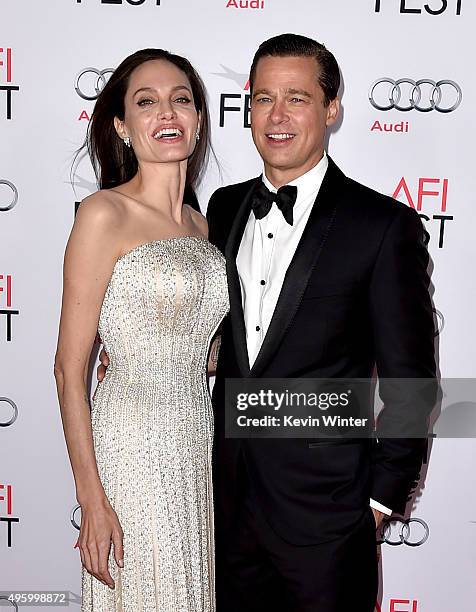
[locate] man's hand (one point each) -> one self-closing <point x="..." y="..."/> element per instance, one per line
<point x="104" y="359"/>
<point x="378" y="517"/>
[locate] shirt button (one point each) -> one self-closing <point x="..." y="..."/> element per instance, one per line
<point x="258" y="328"/>
<point x="263" y="282"/>
<point x="270" y="235"/>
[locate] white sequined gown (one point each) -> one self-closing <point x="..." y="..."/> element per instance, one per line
<point x="152" y="426"/>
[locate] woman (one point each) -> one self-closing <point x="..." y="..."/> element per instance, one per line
<point x="138" y="267"/>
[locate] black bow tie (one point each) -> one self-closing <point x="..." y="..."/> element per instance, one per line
<point x="263" y="199"/>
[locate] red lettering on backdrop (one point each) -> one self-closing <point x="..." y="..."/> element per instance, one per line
<point x="8" y="499"/>
<point x="403" y="185"/>
<point x="402" y="127"/>
<point x="9" y="63"/>
<point x="83" y="115"/>
<point x="422" y="192"/>
<point x="9" y="289"/>
<point x="245" y="4"/>
<point x="394" y="602"/>
<point x="445" y="195"/>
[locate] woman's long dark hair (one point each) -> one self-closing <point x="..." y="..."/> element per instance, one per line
<point x="112" y="161"/>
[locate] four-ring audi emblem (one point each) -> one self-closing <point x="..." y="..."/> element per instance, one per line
<point x="11" y="603"/>
<point x="73" y="517"/>
<point x="439" y="321"/>
<point x="395" y="532"/>
<point x="14" y="414"/>
<point x="424" y="95"/>
<point x="14" y="196"/>
<point x="90" y="82"/>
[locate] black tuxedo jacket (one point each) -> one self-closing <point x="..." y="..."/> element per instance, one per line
<point x="355" y="295"/>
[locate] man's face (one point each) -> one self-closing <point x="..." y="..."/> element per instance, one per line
<point x="288" y="116"/>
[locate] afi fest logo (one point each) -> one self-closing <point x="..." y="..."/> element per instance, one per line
<point x="398" y="605"/>
<point x="417" y="7"/>
<point x="6" y="79"/>
<point x="6" y="304"/>
<point x="426" y="197"/>
<point x="8" y="195"/>
<point x="6" y="515"/>
<point x="235" y="102"/>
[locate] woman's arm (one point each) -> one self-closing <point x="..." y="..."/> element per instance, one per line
<point x="90" y="255"/>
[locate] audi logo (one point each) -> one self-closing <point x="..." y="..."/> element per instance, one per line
<point x="412" y="532"/>
<point x="90" y="82"/>
<point x="74" y="522"/>
<point x="424" y="95"/>
<point x="14" y="195"/>
<point x="9" y="602"/>
<point x="439" y="320"/>
<point x="14" y="416"/>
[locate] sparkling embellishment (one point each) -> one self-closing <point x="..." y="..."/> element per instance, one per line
<point x="152" y="426"/>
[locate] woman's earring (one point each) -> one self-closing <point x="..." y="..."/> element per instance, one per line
<point x="127" y="141"/>
<point x="197" y="134"/>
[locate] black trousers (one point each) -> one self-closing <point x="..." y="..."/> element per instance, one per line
<point x="257" y="571"/>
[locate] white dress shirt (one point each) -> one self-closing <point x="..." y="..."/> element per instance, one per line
<point x="266" y="250"/>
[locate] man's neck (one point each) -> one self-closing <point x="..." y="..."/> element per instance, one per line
<point x="279" y="177"/>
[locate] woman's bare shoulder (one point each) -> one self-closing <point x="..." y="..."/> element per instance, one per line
<point x="199" y="220"/>
<point x="101" y="207"/>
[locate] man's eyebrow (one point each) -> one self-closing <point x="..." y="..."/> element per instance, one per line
<point x="258" y="92"/>
<point x="301" y="92"/>
<point x="176" y="88"/>
<point x="291" y="90"/>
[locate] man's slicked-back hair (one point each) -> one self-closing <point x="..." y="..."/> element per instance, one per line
<point x="295" y="45"/>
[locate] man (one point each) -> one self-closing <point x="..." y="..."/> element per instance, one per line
<point x="328" y="287"/>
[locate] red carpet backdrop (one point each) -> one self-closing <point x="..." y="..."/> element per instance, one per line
<point x="407" y="129"/>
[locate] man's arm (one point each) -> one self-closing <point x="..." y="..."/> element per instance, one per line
<point x="403" y="330"/>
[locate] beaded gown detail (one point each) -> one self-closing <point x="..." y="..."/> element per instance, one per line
<point x="152" y="425"/>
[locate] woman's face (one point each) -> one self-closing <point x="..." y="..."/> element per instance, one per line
<point x="160" y="115"/>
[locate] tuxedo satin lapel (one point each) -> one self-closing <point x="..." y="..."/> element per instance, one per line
<point x="234" y="287"/>
<point x="302" y="265"/>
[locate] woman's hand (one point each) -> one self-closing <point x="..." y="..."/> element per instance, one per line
<point x="100" y="526"/>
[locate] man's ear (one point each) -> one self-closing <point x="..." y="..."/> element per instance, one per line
<point x="120" y="128"/>
<point x="333" y="111"/>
